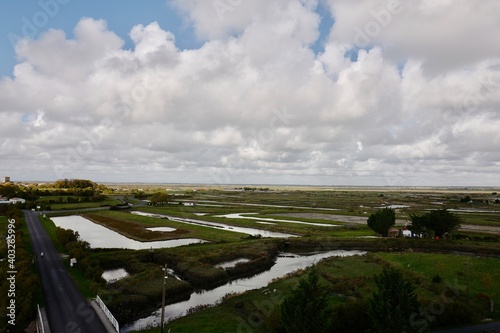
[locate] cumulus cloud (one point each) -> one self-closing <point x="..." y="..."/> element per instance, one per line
<point x="254" y="103"/>
<point x="444" y="34"/>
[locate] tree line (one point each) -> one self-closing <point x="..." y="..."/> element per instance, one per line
<point x="438" y="223"/>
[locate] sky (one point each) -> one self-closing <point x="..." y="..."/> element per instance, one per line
<point x="309" y="92"/>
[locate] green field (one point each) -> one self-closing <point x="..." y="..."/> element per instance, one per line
<point x="347" y="278"/>
<point x="349" y="281"/>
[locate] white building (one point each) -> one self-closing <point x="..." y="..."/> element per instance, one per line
<point x="16" y="200"/>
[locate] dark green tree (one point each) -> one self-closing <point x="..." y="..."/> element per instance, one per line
<point x="306" y="308"/>
<point x="419" y="223"/>
<point x="382" y="220"/>
<point x="391" y="306"/>
<point x="443" y="221"/>
<point x="439" y="221"/>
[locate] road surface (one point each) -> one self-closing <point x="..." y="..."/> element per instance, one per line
<point x="67" y="310"/>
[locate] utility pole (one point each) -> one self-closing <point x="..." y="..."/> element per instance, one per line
<point x="163" y="297"/>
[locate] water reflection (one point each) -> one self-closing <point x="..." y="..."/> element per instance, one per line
<point x="245" y="216"/>
<point x="284" y="264"/>
<point x="101" y="237"/>
<point x="221" y="226"/>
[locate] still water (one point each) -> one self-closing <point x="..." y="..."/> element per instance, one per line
<point x="285" y="263"/>
<point x="220" y="226"/>
<point x="101" y="237"/>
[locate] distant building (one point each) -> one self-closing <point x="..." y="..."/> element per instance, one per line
<point x="17" y="200"/>
<point x="393" y="232"/>
<point x="6" y="180"/>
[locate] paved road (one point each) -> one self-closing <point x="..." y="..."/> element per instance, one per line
<point x="67" y="310"/>
<point x="490" y="328"/>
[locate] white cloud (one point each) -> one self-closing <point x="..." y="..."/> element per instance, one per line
<point x="444" y="34"/>
<point x="254" y="103"/>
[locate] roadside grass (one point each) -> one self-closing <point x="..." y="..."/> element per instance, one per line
<point x="51" y="229"/>
<point x="81" y="282"/>
<point x="75" y="273"/>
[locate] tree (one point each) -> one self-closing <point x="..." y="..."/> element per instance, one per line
<point x="439" y="221"/>
<point x="443" y="221"/>
<point x="465" y="199"/>
<point x="159" y="198"/>
<point x="382" y="220"/>
<point x="306" y="309"/>
<point x="419" y="224"/>
<point x="393" y="304"/>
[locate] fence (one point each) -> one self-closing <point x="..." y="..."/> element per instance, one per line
<point x="108" y="313"/>
<point x="39" y="321"/>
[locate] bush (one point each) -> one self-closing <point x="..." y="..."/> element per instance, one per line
<point x="305" y="309"/>
<point x="351" y="317"/>
<point x="391" y="307"/>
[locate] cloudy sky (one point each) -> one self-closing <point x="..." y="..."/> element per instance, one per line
<point x="320" y="92"/>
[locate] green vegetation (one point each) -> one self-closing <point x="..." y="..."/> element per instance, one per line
<point x="393" y="304"/>
<point x="441" y="222"/>
<point x="381" y="221"/>
<point x="305" y="308"/>
<point x="348" y="284"/>
<point x="134" y="226"/>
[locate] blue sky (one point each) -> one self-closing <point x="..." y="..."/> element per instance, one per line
<point x="19" y="17"/>
<point x="120" y="15"/>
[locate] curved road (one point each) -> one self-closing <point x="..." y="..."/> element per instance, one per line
<point x="67" y="310"/>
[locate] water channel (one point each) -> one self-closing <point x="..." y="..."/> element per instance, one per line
<point x="220" y="226"/>
<point x="285" y="263"/>
<point x="271" y="220"/>
<point x="101" y="237"/>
